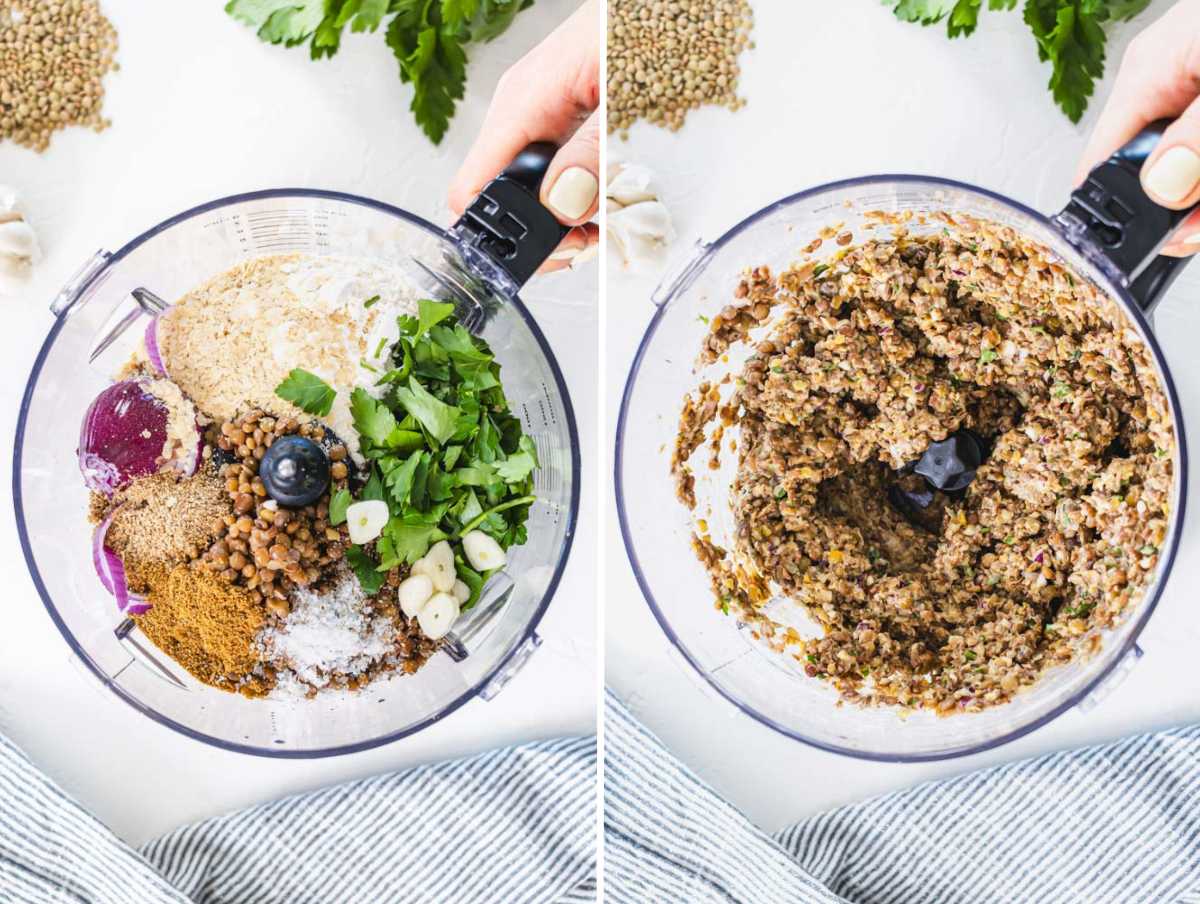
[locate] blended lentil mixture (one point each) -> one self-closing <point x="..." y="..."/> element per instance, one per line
<point x="868" y="358"/>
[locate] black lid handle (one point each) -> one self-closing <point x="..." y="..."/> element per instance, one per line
<point x="1116" y="224"/>
<point x="507" y="221"/>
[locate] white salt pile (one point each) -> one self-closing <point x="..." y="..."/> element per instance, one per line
<point x="328" y="636"/>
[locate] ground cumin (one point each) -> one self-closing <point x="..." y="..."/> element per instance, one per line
<point x="204" y="623"/>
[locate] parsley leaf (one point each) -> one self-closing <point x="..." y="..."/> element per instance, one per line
<point x="430" y="314"/>
<point x="427" y="37"/>
<point x="307" y="392"/>
<point x="439" y="419"/>
<point x="372" y="418"/>
<point x="338" y="503"/>
<point x="369" y="577"/>
<point x="1069" y="35"/>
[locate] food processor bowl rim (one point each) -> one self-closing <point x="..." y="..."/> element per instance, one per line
<point x="1153" y="594"/>
<point x="277" y="753"/>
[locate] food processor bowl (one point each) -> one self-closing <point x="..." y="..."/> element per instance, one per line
<point x="99" y="320"/>
<point x="657" y="529"/>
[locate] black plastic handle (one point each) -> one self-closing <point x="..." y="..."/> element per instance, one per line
<point x="507" y="221"/>
<point x="1116" y="224"/>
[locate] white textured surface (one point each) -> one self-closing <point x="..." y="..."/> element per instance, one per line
<point x="832" y="97"/>
<point x="202" y="109"/>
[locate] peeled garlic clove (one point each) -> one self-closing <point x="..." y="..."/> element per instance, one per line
<point x="630" y="183"/>
<point x="422" y="566"/>
<point x="482" y="551"/>
<point x="461" y="592"/>
<point x="17" y="239"/>
<point x="437" y="615"/>
<point x="366" y="520"/>
<point x="413" y="593"/>
<point x="441" y="564"/>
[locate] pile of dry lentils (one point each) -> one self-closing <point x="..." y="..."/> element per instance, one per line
<point x="54" y="55"/>
<point x="666" y="57"/>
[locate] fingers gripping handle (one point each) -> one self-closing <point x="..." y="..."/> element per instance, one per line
<point x="1116" y="224"/>
<point x="507" y="221"/>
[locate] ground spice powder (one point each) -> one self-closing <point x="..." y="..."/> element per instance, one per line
<point x="161" y="519"/>
<point x="205" y="624"/>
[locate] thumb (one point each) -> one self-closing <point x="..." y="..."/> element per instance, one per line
<point x="571" y="189"/>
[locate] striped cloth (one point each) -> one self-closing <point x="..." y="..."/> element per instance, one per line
<point x="511" y="825"/>
<point x="1115" y="824"/>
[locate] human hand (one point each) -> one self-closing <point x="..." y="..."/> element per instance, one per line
<point x="550" y="94"/>
<point x="1159" y="78"/>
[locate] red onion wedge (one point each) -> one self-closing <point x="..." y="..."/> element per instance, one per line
<point x="150" y="339"/>
<point x="128" y="428"/>
<point x="111" y="571"/>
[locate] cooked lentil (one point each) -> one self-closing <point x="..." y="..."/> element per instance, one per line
<point x="874" y="354"/>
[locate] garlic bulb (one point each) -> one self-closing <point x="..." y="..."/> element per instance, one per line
<point x="18" y="244"/>
<point x="639" y="224"/>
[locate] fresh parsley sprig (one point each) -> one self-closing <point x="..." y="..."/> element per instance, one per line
<point x="1069" y="33"/>
<point x="427" y="37"/>
<point x="444" y="450"/>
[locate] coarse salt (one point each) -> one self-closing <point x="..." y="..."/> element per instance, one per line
<point x="327" y="634"/>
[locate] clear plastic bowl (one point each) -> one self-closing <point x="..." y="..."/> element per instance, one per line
<point x="497" y="636"/>
<point x="657" y="529"/>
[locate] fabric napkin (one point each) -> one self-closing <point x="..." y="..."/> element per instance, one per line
<point x="511" y="825"/>
<point x="1113" y="824"/>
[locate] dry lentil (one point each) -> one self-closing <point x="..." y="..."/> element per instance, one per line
<point x="54" y="55"/>
<point x="666" y="57"/>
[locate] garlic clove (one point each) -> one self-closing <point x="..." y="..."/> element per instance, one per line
<point x="441" y="563"/>
<point x="413" y="593"/>
<point x="483" y="552"/>
<point x="461" y="592"/>
<point x="366" y="520"/>
<point x="422" y="566"/>
<point x="630" y="183"/>
<point x="436" y="617"/>
<point x="17" y="239"/>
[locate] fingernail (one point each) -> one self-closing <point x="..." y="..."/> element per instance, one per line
<point x="567" y="254"/>
<point x="573" y="193"/>
<point x="1193" y="239"/>
<point x="1175" y="174"/>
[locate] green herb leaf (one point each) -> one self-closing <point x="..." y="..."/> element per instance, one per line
<point x="988" y="355"/>
<point x="1069" y="35"/>
<point x="426" y="36"/>
<point x="307" y="391"/>
<point x="373" y="300"/>
<point x="364" y="567"/>
<point x="439" y="419"/>
<point x="338" y="503"/>
<point x="372" y="418"/>
<point x="430" y="314"/>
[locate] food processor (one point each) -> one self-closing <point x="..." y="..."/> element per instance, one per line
<point x="1109" y="232"/>
<point x="100" y="315"/>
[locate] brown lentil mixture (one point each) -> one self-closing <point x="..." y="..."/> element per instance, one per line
<point x="868" y="358"/>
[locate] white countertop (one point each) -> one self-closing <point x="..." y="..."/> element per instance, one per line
<point x="202" y="109"/>
<point x="834" y="96"/>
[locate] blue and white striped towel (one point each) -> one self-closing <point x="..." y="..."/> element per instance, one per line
<point x="511" y="825"/>
<point x="1115" y="824"/>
